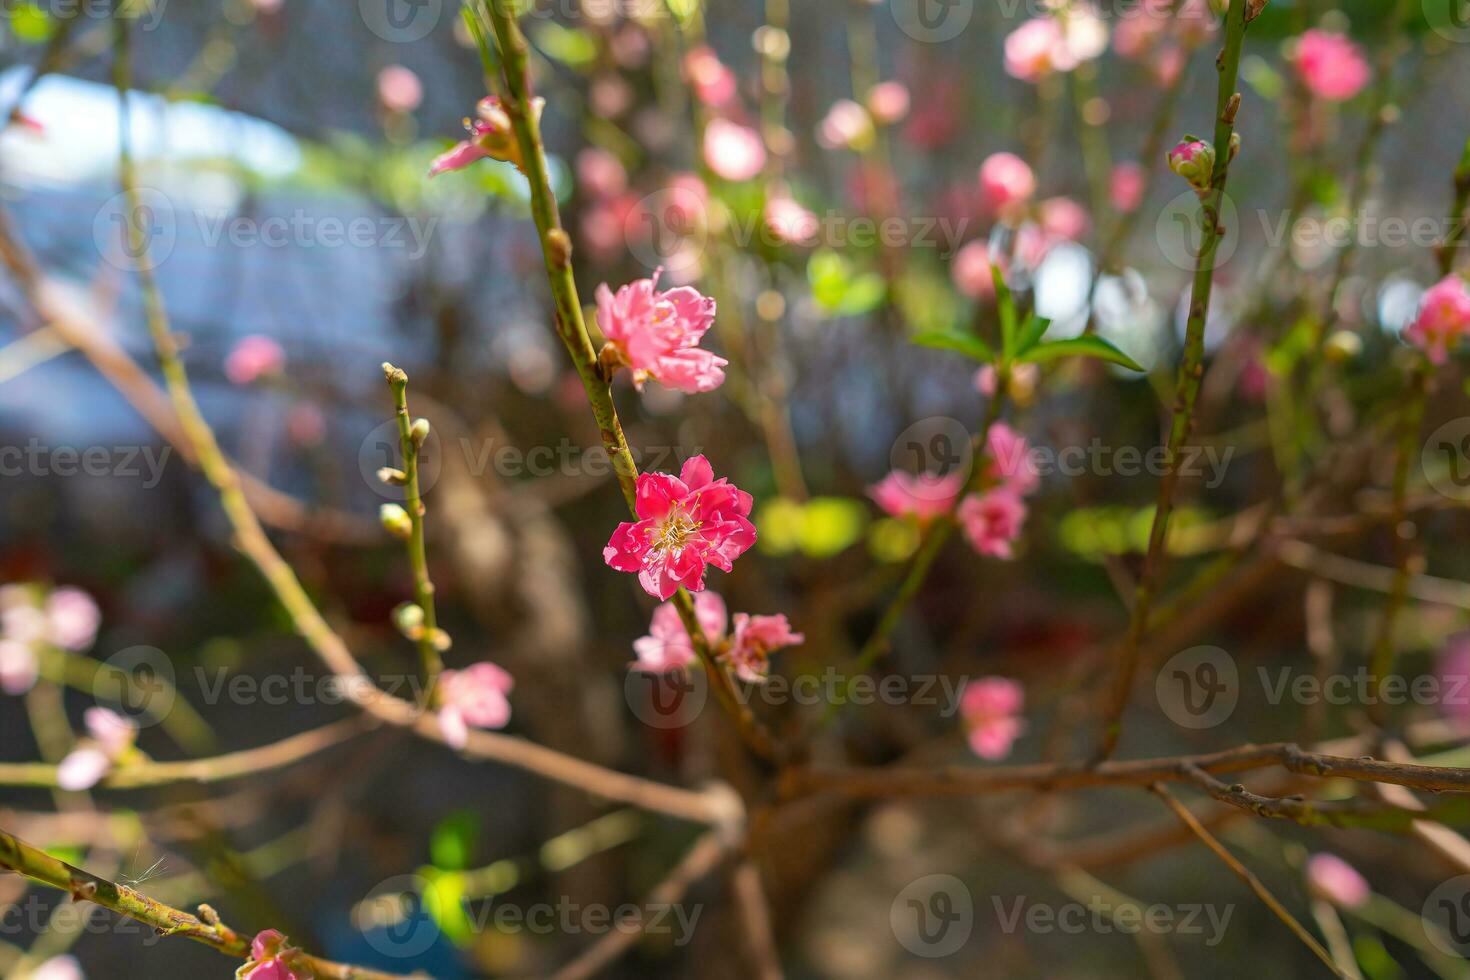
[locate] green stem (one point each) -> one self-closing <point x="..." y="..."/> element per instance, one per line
<point x="1191" y="373"/>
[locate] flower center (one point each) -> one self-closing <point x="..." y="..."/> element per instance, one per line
<point x="669" y="535"/>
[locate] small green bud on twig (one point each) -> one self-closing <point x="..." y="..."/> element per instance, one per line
<point x="409" y="618"/>
<point x="393" y="477"/>
<point x="395" y="521"/>
<point x="419" y="432"/>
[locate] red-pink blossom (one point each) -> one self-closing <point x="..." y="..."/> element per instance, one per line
<point x="991" y="708"/>
<point x="399" y="89"/>
<point x="254" y="357"/>
<point x="667" y="645"/>
<point x="1010" y="464"/>
<point x="924" y="496"/>
<point x="754" y="640"/>
<point x="970" y="270"/>
<point x="888" y="102"/>
<point x="1006" y="181"/>
<point x="491" y="138"/>
<point x="712" y="81"/>
<point x="657" y="334"/>
<point x="1332" y="878"/>
<point x="685" y="524"/>
<point x="272" y="958"/>
<point x="1443" y="319"/>
<point x="476" y="697"/>
<point x="1330" y="66"/>
<point x="1126" y="186"/>
<point x="733" y="151"/>
<point x="992" y="521"/>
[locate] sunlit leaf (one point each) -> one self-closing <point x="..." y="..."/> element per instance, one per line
<point x="964" y="343"/>
<point x="1080" y="347"/>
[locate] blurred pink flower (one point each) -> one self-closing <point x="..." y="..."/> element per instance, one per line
<point x="306" y="425"/>
<point x="271" y="958"/>
<point x="755" y="639"/>
<point x="888" y="102"/>
<point x="18" y="667"/>
<point x="1332" y="878"/>
<point x="1126" y="186"/>
<point x="970" y="270"/>
<point x="685" y="524"/>
<point x="788" y="221"/>
<point x="600" y="174"/>
<point x="1168" y="63"/>
<point x="656" y="334"/>
<point x="992" y="521"/>
<point x="1138" y="30"/>
<point x="491" y="137"/>
<point x="110" y="739"/>
<point x="846" y="125"/>
<point x="476" y="697"/>
<point x="1006" y="181"/>
<point x="399" y="88"/>
<point x="713" y="82"/>
<point x="1010" y="463"/>
<point x="1452" y="667"/>
<point x="1443" y="319"/>
<point x="72" y="618"/>
<point x="924" y="496"/>
<point x="1330" y="66"/>
<point x="254" y="357"/>
<point x="58" y="968"/>
<point x="991" y="708"/>
<point x="1036" y="49"/>
<point x="733" y="151"/>
<point x="1063" y="218"/>
<point x="667" y="645"/>
<point x="111" y="731"/>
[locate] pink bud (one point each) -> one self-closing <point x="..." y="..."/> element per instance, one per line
<point x="399" y="88"/>
<point x="1332" y="878"/>
<point x="1006" y="181"/>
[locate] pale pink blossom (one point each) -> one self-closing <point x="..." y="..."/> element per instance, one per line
<point x="113" y="733"/>
<point x="713" y="82"/>
<point x="110" y="740"/>
<point x="1452" y="667"/>
<point x="1084" y="36"/>
<point x="399" y="88"/>
<point x="685" y="524"/>
<point x="1443" y="319"/>
<point x="18" y="667"/>
<point x="1332" y="878"/>
<point x="888" y="102"/>
<point x="733" y="151"/>
<point x="1006" y="181"/>
<point x="1036" y="50"/>
<point x="788" y="221"/>
<point x="1126" y="186"/>
<point x="306" y="425"/>
<point x="1011" y="464"/>
<point x="491" y="138"/>
<point x="272" y="958"/>
<point x="656" y="334"/>
<point x="254" y="357"/>
<point x="754" y="640"/>
<point x="846" y="125"/>
<point x="667" y="645"/>
<point x="600" y="174"/>
<point x="58" y="968"/>
<point x="23" y="622"/>
<point x="992" y="521"/>
<point x="924" y="496"/>
<point x="1138" y="31"/>
<point x="1168" y="63"/>
<point x="970" y="270"/>
<point x="1330" y="66"/>
<point x="991" y="708"/>
<point x="1064" y="219"/>
<point x="72" y="618"/>
<point x="476" y="697"/>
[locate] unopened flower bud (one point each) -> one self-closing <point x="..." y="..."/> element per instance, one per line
<point x="419" y="432"/>
<point x="441" y="640"/>
<point x="409" y="618"/>
<point x="1234" y="145"/>
<point x="1194" y="160"/>
<point x="395" y="521"/>
<point x="392" y="477"/>
<point x="1344" y="345"/>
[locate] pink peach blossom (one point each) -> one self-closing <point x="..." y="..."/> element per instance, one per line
<point x="888" y="102"/>
<point x="788" y="221"/>
<point x="657" y="334"/>
<point x="478" y="697"/>
<point x="990" y="707"/>
<point x="271" y="958"/>
<point x="1064" y="219"/>
<point x="491" y="138"/>
<point x="846" y="125"/>
<point x="110" y="740"/>
<point x="1330" y="66"/>
<point x="992" y="521"/>
<point x="1010" y="464"/>
<point x="754" y="640"/>
<point x="254" y="357"/>
<point x="970" y="271"/>
<point x="600" y="174"/>
<point x="685" y="524"/>
<point x="1443" y="319"/>
<point x="733" y="151"/>
<point x="399" y="89"/>
<point x="1452" y="667"/>
<point x="667" y="645"/>
<point x="72" y="618"/>
<point x="1126" y="186"/>
<point x="1036" y="50"/>
<point x="1006" y="181"/>
<point x="18" y="667"/>
<point x="713" y="82"/>
<point x="924" y="496"/>
<point x="1332" y="878"/>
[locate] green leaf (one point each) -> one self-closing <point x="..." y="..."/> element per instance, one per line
<point x="452" y="842"/>
<point x="1032" y="331"/>
<point x="1080" y="347"/>
<point x="1006" y="304"/>
<point x="863" y="294"/>
<point x="964" y="343"/>
<point x="30" y="23"/>
<point x="567" y="45"/>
